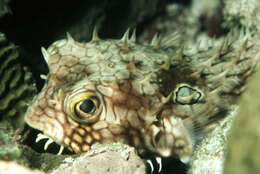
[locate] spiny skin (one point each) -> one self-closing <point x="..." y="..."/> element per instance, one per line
<point x="153" y="98"/>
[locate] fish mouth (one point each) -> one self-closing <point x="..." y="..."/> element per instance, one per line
<point x="43" y="143"/>
<point x="49" y="141"/>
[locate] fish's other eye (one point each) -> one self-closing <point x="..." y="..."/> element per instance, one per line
<point x="186" y="95"/>
<point x="84" y="107"/>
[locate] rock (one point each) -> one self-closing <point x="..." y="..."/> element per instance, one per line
<point x="13" y="167"/>
<point x="209" y="155"/>
<point x="243" y="154"/>
<point x="242" y="12"/>
<point x="113" y="158"/>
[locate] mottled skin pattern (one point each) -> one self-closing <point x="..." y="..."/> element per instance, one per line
<point x="156" y="98"/>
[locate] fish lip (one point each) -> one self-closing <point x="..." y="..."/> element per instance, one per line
<point x="55" y="130"/>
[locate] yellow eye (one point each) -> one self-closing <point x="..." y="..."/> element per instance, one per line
<point x="84" y="107"/>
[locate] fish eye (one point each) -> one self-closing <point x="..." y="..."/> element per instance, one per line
<point x="186" y="95"/>
<point x="84" y="107"/>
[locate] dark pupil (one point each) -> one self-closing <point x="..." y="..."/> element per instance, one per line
<point x="87" y="106"/>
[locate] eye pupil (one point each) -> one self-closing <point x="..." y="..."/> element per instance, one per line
<point x="87" y="106"/>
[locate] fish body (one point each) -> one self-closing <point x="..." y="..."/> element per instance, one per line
<point x="154" y="97"/>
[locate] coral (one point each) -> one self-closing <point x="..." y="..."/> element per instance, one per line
<point x="242" y="12"/>
<point x="9" y="149"/>
<point x="177" y="19"/>
<point x="200" y="17"/>
<point x="16" y="85"/>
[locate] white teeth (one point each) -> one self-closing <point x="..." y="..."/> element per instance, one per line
<point x="61" y="150"/>
<point x="151" y="165"/>
<point x="48" y="143"/>
<point x="159" y="161"/>
<point x="40" y="137"/>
